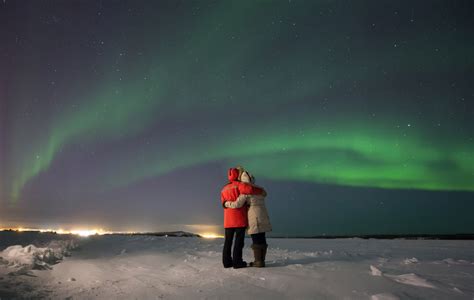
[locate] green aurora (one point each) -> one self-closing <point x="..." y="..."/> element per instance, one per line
<point x="187" y="78"/>
<point x="344" y="156"/>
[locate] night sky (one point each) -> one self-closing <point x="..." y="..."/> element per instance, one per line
<point x="356" y="116"/>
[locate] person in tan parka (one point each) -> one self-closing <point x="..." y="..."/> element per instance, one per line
<point x="258" y="220"/>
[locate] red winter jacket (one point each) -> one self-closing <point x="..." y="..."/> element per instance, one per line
<point x="236" y="217"/>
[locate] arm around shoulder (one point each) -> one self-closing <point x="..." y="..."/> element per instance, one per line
<point x="245" y="188"/>
<point x="241" y="201"/>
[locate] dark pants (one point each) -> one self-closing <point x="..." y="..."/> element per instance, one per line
<point x="234" y="258"/>
<point x="259" y="238"/>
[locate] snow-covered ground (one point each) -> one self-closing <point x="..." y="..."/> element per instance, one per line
<point x="147" y="267"/>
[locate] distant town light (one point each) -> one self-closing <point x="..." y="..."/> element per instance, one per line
<point x="80" y="232"/>
<point x="209" y="235"/>
<point x="87" y="232"/>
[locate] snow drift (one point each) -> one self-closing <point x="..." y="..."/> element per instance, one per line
<point x="32" y="257"/>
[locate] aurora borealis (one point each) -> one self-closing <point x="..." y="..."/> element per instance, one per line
<point x="128" y="113"/>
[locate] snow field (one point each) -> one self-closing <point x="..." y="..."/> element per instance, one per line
<point x="147" y="267"/>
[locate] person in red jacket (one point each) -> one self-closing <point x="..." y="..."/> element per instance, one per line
<point x="235" y="220"/>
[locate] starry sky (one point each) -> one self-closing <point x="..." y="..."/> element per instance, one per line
<point x="356" y="116"/>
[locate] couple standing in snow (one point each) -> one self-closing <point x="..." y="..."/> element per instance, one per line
<point x="244" y="208"/>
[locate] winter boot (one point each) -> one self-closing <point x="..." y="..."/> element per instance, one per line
<point x="240" y="265"/>
<point x="227" y="261"/>
<point x="265" y="253"/>
<point x="258" y="253"/>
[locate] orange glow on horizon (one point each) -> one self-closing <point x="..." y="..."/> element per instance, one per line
<point x="209" y="232"/>
<point x="79" y="232"/>
<point x="209" y="235"/>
